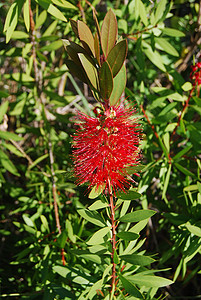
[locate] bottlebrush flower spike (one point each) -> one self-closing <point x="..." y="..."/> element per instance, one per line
<point x="196" y="74"/>
<point x="105" y="146"/>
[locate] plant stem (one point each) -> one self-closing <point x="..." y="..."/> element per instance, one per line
<point x="113" y="241"/>
<point x="54" y="192"/>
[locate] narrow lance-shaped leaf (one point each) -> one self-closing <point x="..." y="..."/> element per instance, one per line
<point x="119" y="84"/>
<point x="77" y="71"/>
<point x="106" y="81"/>
<point x="109" y="32"/>
<point x="117" y="56"/>
<point x="74" y="27"/>
<point x="137" y="216"/>
<point x="130" y="287"/>
<point x="97" y="48"/>
<point x="90" y="71"/>
<point x="138" y="260"/>
<point x="86" y="36"/>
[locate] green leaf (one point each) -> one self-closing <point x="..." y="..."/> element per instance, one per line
<point x="40" y="20"/>
<point x="86" y="37"/>
<point x="143" y="13"/>
<point x="27" y="220"/>
<point x="45" y="222"/>
<point x="153" y="56"/>
<point x="90" y="71"/>
<point x="10" y="136"/>
<point x="64" y="4"/>
<point x="187" y="86"/>
<point x="115" y="257"/>
<point x="184" y="170"/>
<point x="63" y="271"/>
<point x="61" y="240"/>
<point x="12" y="149"/>
<point x="26" y="15"/>
<point x="12" y="18"/>
<point x="193" y="229"/>
<point x="109" y="31"/>
<point x="95" y="192"/>
<point x="149" y="280"/>
<point x="50" y="29"/>
<point x="38" y="160"/>
<point x="105" y="80"/>
<point x="22" y="77"/>
<point x="18" y="107"/>
<point x="182" y="152"/>
<point x="7" y="164"/>
<point x="166" y="46"/>
<point x="53" y="46"/>
<point x="127" y="236"/>
<point x="77" y="71"/>
<point x="130" y="287"/>
<point x="160" y="9"/>
<point x="98" y="205"/>
<point x="117" y="56"/>
<point x="119" y="84"/>
<point x="138" y="260"/>
<point x="173" y="32"/>
<point x="51" y="9"/>
<point x="3" y="109"/>
<point x="97" y="237"/>
<point x="167" y="179"/>
<point x="92" y="216"/>
<point x="137" y="216"/>
<point x="130" y="195"/>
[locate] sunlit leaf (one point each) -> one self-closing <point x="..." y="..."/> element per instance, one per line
<point x="109" y="32"/>
<point x="86" y="36"/>
<point x="119" y="84"/>
<point x="137" y="216"/>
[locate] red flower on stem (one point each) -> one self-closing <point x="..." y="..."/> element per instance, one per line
<point x="105" y="146"/>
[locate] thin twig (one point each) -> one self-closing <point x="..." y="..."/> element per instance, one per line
<point x="113" y="286"/>
<point x="54" y="192"/>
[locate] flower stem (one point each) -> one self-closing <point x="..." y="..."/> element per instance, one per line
<point x="113" y="241"/>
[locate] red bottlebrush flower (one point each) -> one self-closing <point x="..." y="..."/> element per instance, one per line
<point x="105" y="146"/>
<point x="195" y="75"/>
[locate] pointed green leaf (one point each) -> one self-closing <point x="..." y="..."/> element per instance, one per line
<point x="98" y="205"/>
<point x="137" y="216"/>
<point x="86" y="36"/>
<point x="173" y="32"/>
<point x="160" y="8"/>
<point x="193" y="229"/>
<point x="109" y="31"/>
<point x="119" y="84"/>
<point x="143" y="13"/>
<point x="149" y="280"/>
<point x="184" y="170"/>
<point x="97" y="237"/>
<point x="138" y="260"/>
<point x="128" y="236"/>
<point x="51" y="9"/>
<point x="130" y="195"/>
<point x="77" y="71"/>
<point x="38" y="160"/>
<point x="74" y="27"/>
<point x="166" y="46"/>
<point x="7" y="164"/>
<point x="97" y="25"/>
<point x="26" y="15"/>
<point x="95" y="192"/>
<point x="3" y="109"/>
<point x="130" y="287"/>
<point x="97" y="48"/>
<point x="92" y="216"/>
<point x="90" y="71"/>
<point x="153" y="56"/>
<point x="106" y="81"/>
<point x="115" y="257"/>
<point x="10" y="136"/>
<point x="117" y="56"/>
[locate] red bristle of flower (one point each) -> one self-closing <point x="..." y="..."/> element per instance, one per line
<point x="104" y="146"/>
